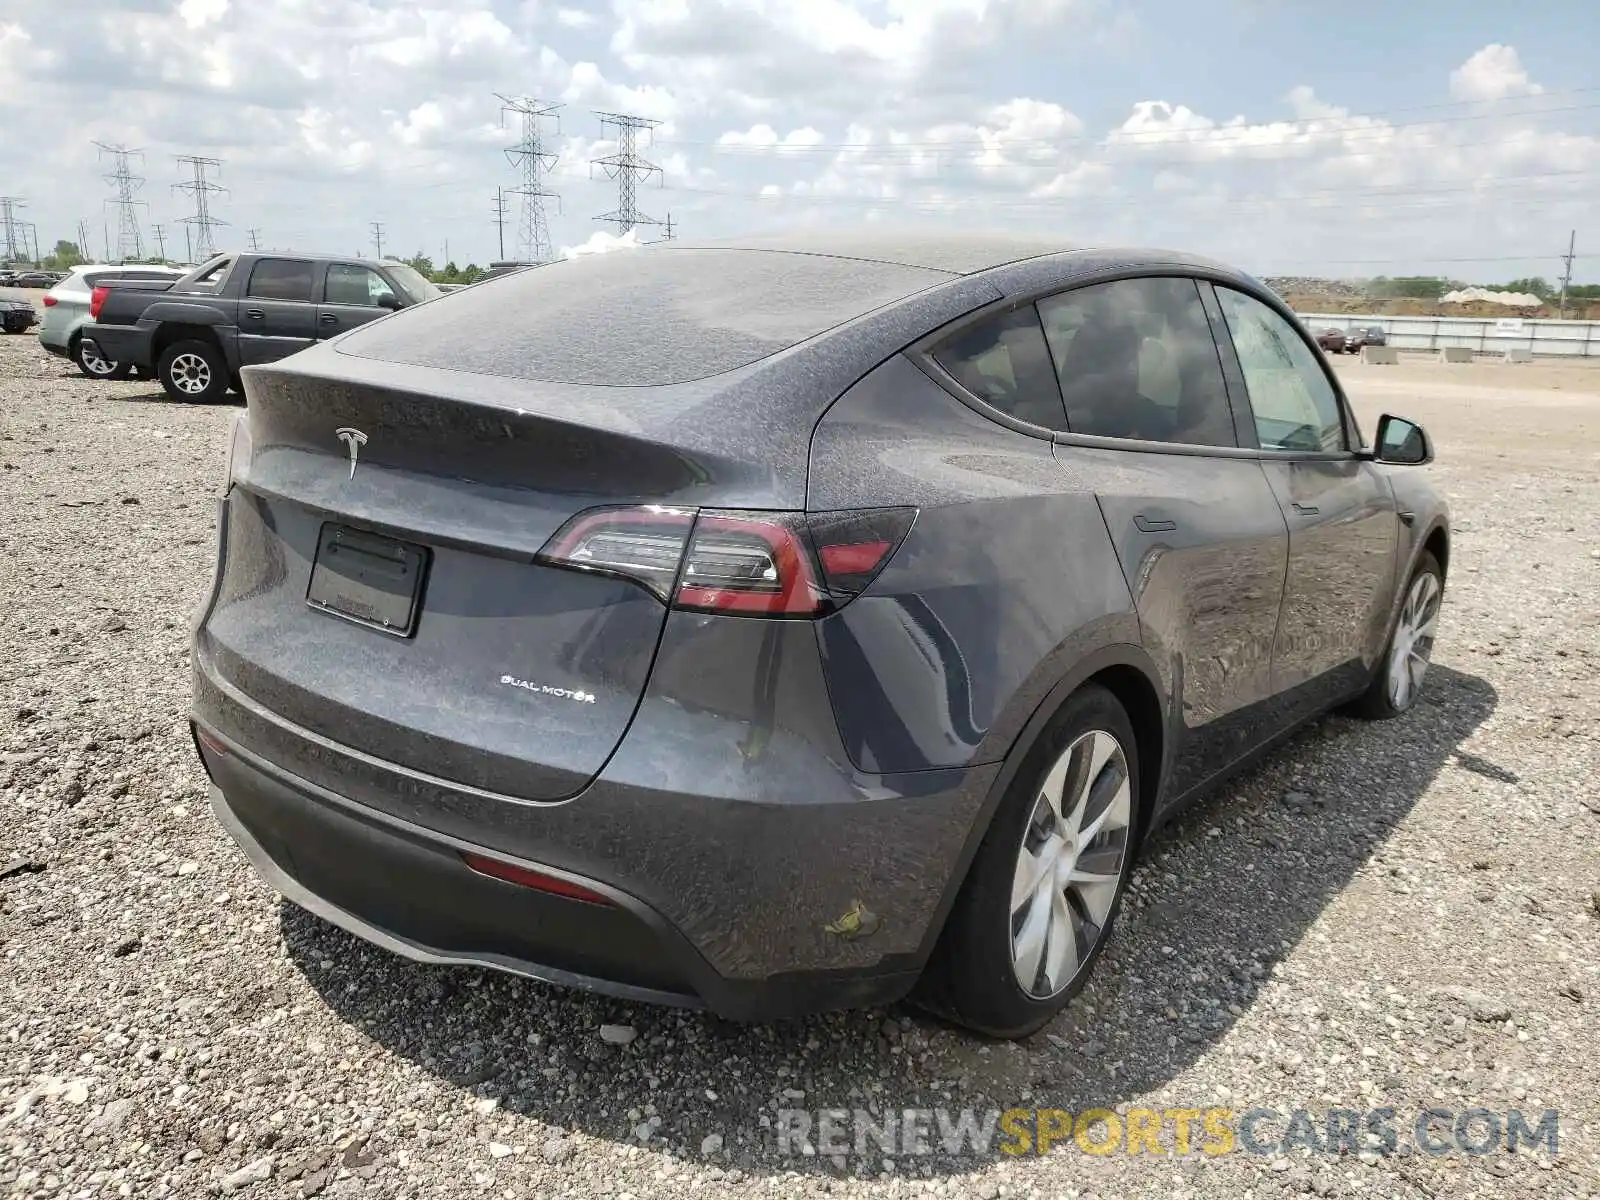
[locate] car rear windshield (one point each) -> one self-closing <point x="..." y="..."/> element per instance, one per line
<point x="639" y="317"/>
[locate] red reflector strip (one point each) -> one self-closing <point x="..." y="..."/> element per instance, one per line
<point x="537" y="881"/>
<point x="49" y="301"/>
<point x="854" y="558"/>
<point x="209" y="742"/>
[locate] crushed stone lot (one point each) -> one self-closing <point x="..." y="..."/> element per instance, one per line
<point x="1402" y="914"/>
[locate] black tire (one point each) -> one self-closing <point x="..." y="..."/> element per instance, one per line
<point x="115" y="371"/>
<point x="193" y="371"/>
<point x="1378" y="702"/>
<point x="971" y="978"/>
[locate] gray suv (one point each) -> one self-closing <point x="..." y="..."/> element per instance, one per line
<point x="66" y="313"/>
<point x="792" y="622"/>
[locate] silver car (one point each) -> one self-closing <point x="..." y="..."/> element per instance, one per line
<point x="66" y="312"/>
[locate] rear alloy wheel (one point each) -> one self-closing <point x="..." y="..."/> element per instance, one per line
<point x="193" y="371"/>
<point x="1038" y="905"/>
<point x="96" y="367"/>
<point x="1398" y="681"/>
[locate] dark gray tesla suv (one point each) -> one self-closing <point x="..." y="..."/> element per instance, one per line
<point x="795" y="622"/>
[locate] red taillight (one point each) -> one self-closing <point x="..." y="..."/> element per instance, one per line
<point x="751" y="563"/>
<point x="49" y="300"/>
<point x="97" y="300"/>
<point x="537" y="881"/>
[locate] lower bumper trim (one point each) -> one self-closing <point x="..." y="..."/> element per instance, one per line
<point x="291" y="889"/>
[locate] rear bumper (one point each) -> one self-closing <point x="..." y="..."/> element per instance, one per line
<point x="125" y="344"/>
<point x="408" y="890"/>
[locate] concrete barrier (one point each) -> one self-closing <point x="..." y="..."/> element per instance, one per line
<point x="1380" y="355"/>
<point x="1455" y="354"/>
<point x="1519" y="354"/>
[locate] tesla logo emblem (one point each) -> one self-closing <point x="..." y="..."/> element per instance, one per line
<point x="353" y="439"/>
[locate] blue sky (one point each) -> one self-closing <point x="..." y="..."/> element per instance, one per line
<point x="1288" y="137"/>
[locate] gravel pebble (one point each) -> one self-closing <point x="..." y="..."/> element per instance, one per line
<point x="157" y="1041"/>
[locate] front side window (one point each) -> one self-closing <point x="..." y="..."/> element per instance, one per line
<point x="1294" y="404"/>
<point x="1005" y="362"/>
<point x="280" y="279"/>
<point x="349" y="284"/>
<point x="1136" y="359"/>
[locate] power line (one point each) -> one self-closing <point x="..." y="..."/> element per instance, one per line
<point x="627" y="168"/>
<point x="129" y="243"/>
<point x="531" y="158"/>
<point x="377" y="238"/>
<point x="10" y="225"/>
<point x="201" y="221"/>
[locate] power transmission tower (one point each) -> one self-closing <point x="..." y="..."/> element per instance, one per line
<point x="83" y="240"/>
<point x="669" y="234"/>
<point x="1566" y="278"/>
<point x="255" y="239"/>
<point x="531" y="158"/>
<point x="500" y="219"/>
<point x="129" y="244"/>
<point x="10" y="226"/>
<point x="161" y="242"/>
<point x="201" y="188"/>
<point x="377" y="238"/>
<point x="627" y="168"/>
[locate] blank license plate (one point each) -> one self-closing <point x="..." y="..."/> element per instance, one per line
<point x="366" y="578"/>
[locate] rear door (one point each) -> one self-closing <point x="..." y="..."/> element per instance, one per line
<point x="352" y="295"/>
<point x="1128" y="375"/>
<point x="1201" y="539"/>
<point x="277" y="315"/>
<point x="1341" y="514"/>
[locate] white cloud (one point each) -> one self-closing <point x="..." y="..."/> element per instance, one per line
<point x="330" y="114"/>
<point x="1492" y="73"/>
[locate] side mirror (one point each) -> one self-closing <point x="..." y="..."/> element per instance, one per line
<point x="1401" y="442"/>
<point x="391" y="302"/>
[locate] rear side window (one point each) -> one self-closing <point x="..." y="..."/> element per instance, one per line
<point x="1005" y="362"/>
<point x="1294" y="405"/>
<point x="650" y="316"/>
<point x="280" y="279"/>
<point x="1136" y="359"/>
<point x="350" y="284"/>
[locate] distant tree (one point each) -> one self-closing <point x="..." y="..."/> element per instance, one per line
<point x="471" y="273"/>
<point x="1584" y="291"/>
<point x="421" y="264"/>
<point x="1534" y="287"/>
<point x="65" y="256"/>
<point x="1412" y="287"/>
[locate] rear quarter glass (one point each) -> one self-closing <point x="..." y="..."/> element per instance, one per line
<point x="648" y="317"/>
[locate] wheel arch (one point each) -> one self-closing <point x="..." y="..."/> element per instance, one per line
<point x="1129" y="674"/>
<point x="1437" y="543"/>
<point x="169" y="334"/>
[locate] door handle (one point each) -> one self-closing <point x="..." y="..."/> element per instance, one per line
<point x="1145" y="525"/>
<point x="1307" y="509"/>
<point x="329" y="319"/>
<point x="255" y="312"/>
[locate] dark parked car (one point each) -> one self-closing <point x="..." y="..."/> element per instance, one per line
<point x="1332" y="340"/>
<point x="1365" y="335"/>
<point x="239" y="310"/>
<point x="796" y="622"/>
<point x="17" y="316"/>
<point x="35" y="279"/>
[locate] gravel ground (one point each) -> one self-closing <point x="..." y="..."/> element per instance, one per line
<point x="1404" y="914"/>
